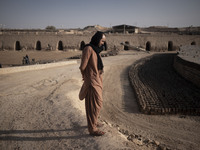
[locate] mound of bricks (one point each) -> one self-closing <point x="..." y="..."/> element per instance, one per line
<point x="160" y="90"/>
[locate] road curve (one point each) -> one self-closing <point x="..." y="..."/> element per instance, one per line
<point x="121" y="109"/>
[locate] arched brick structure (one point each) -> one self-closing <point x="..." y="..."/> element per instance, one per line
<point x="60" y="45"/>
<point x="60" y="41"/>
<point x="38" y="45"/>
<point x="148" y="46"/>
<point x="82" y="45"/>
<point x="105" y="47"/>
<point x="17" y="46"/>
<point x="170" y="46"/>
<point x="193" y="43"/>
<point x="126" y="46"/>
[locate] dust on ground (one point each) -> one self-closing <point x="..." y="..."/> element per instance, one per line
<point x="15" y="58"/>
<point x="40" y="110"/>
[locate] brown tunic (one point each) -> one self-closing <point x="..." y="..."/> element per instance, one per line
<point x="92" y="87"/>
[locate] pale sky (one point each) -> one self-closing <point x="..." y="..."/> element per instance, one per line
<point x="35" y="14"/>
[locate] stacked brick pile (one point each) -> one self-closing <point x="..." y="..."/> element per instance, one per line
<point x="160" y="90"/>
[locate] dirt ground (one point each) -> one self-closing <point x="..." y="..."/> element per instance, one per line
<point x="40" y="110"/>
<point x="14" y="58"/>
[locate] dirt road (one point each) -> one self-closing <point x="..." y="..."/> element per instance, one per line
<point x="121" y="109"/>
<point x="41" y="110"/>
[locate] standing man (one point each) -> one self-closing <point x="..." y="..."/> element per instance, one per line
<point x="92" y="69"/>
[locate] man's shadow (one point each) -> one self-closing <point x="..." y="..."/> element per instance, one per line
<point x="18" y="135"/>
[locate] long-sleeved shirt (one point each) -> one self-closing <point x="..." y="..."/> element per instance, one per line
<point x="90" y="73"/>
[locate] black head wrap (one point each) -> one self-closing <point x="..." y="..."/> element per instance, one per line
<point x="94" y="43"/>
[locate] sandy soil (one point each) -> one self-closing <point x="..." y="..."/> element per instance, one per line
<point x="41" y="110"/>
<point x="14" y="58"/>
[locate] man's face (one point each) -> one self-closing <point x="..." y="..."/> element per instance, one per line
<point x="102" y="41"/>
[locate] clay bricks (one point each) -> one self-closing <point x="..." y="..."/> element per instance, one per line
<point x="153" y="76"/>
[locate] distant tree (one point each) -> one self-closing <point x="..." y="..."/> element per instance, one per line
<point x="52" y="28"/>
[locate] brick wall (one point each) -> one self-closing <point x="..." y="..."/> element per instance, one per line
<point x="158" y="42"/>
